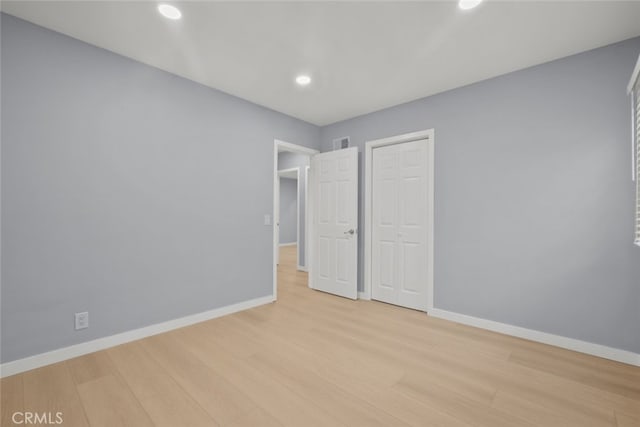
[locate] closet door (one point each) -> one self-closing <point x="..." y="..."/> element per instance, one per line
<point x="399" y="232"/>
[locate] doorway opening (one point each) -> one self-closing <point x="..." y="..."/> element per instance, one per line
<point x="291" y="213"/>
<point x="288" y="218"/>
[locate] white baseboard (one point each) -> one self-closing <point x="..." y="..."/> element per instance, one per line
<point x="288" y="244"/>
<point x="303" y="268"/>
<point x="59" y="355"/>
<point x="610" y="353"/>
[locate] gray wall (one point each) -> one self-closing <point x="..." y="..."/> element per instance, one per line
<point x="116" y="195"/>
<point x="116" y="192"/>
<point x="288" y="210"/>
<point x="287" y="160"/>
<point x="534" y="198"/>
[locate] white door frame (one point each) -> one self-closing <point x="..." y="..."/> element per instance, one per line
<point x="428" y="136"/>
<point x="306" y="221"/>
<point x="280" y="146"/>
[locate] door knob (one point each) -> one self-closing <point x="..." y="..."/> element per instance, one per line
<point x="351" y="232"/>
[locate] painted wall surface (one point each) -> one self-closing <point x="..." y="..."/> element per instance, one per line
<point x="534" y="198"/>
<point x="116" y="197"/>
<point x="288" y="210"/>
<point x="287" y="160"/>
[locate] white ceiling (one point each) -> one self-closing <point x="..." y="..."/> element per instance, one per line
<point x="363" y="56"/>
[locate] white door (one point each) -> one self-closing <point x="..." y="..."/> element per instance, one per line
<point x="400" y="225"/>
<point x="334" y="178"/>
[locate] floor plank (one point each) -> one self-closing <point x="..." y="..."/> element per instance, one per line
<point x="90" y="367"/>
<point x="163" y="399"/>
<point x="222" y="400"/>
<point x="51" y="390"/>
<point x="627" y="421"/>
<point x="12" y="393"/>
<point x="109" y="403"/>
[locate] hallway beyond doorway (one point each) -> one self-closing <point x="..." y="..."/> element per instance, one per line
<point x="290" y="279"/>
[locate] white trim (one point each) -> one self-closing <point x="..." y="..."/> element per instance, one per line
<point x="59" y="355"/>
<point x="288" y="244"/>
<point x="399" y="139"/>
<point x="634" y="76"/>
<point x="429" y="135"/>
<point x="279" y="146"/>
<point x="293" y="148"/>
<point x="301" y="268"/>
<point x="298" y="186"/>
<point x="633" y="137"/>
<point x="282" y="173"/>
<point x="308" y="255"/>
<point x="363" y="296"/>
<point x="275" y="247"/>
<point x="306" y="216"/>
<point x="610" y="353"/>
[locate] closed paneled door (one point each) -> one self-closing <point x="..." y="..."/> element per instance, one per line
<point x="400" y="224"/>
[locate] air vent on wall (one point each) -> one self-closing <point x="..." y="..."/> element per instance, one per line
<point x="340" y="143"/>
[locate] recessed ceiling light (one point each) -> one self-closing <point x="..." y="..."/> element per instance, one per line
<point x="468" y="4"/>
<point x="303" y="80"/>
<point x="169" y="11"/>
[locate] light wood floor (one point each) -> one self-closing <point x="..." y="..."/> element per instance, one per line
<point x="312" y="359"/>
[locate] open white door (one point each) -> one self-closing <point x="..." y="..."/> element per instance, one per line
<point x="335" y="217"/>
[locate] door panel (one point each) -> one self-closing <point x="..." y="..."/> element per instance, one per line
<point x="342" y="256"/>
<point x="334" y="177"/>
<point x="387" y="269"/>
<point x="324" y="216"/>
<point x="323" y="256"/>
<point x="399" y="232"/>
<point x="343" y="216"/>
<point x="411" y="200"/>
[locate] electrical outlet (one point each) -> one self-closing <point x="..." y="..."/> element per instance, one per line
<point x="82" y="320"/>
